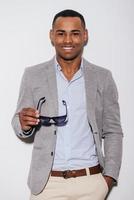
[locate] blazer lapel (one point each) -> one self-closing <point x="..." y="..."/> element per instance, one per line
<point x="91" y="89"/>
<point x="52" y="87"/>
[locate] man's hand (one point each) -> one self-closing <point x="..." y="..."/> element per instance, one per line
<point x="28" y="117"/>
<point x="109" y="180"/>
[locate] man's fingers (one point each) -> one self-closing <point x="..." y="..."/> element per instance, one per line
<point x="28" y="118"/>
<point x="30" y="112"/>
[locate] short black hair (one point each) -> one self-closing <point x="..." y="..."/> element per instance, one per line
<point x="69" y="13"/>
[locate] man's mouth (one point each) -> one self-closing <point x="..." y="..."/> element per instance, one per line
<point x="67" y="47"/>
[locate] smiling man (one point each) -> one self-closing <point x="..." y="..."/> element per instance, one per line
<point x="69" y="37"/>
<point x="70" y="105"/>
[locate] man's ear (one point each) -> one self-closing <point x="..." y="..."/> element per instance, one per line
<point x="86" y="37"/>
<point x="51" y="36"/>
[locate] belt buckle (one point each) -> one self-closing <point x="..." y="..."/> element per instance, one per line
<point x="65" y="174"/>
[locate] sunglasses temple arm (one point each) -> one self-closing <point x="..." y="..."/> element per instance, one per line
<point x="64" y="103"/>
<point x="40" y="102"/>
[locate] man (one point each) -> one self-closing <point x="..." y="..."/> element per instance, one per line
<point x="70" y="105"/>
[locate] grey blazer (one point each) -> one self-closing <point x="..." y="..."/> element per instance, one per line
<point x="102" y="110"/>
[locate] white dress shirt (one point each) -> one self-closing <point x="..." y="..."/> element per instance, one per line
<point x="75" y="148"/>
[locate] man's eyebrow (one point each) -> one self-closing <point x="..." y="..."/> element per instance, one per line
<point x="75" y="30"/>
<point x="60" y="30"/>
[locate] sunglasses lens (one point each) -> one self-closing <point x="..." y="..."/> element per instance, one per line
<point x="59" y="120"/>
<point x="45" y="120"/>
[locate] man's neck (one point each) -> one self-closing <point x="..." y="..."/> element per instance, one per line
<point x="69" y="67"/>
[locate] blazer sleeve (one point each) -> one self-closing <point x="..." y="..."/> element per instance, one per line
<point x="25" y="100"/>
<point x="112" y="131"/>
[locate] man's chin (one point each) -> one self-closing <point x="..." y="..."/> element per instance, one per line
<point x="68" y="58"/>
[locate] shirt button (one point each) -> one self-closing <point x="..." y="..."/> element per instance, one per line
<point x="52" y="153"/>
<point x="54" y="132"/>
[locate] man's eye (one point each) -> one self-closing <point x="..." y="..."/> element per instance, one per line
<point x="60" y="33"/>
<point x="76" y="33"/>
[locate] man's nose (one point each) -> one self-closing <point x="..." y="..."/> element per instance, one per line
<point x="68" y="38"/>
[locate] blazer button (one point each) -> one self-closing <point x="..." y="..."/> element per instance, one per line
<point x="52" y="153"/>
<point x="54" y="132"/>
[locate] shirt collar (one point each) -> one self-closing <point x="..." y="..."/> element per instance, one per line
<point x="58" y="67"/>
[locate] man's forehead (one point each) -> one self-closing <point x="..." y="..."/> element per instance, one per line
<point x="67" y="21"/>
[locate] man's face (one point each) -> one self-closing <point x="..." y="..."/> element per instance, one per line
<point x="68" y="36"/>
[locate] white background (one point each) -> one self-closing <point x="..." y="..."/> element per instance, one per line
<point x="24" y="41"/>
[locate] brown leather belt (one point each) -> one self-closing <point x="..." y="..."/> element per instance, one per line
<point x="76" y="173"/>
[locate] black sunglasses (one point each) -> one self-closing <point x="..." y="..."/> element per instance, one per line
<point x="48" y="121"/>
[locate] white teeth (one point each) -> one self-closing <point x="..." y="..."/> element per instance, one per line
<point x="67" y="48"/>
